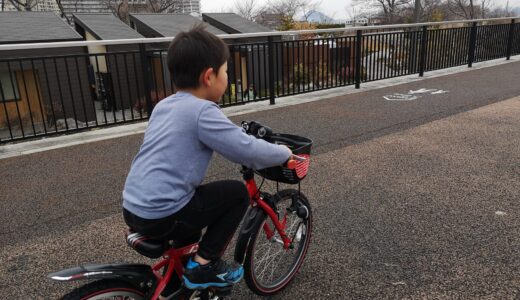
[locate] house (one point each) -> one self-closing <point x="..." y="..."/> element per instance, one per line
<point x="249" y="68"/>
<point x="116" y="70"/>
<point x="41" y="86"/>
<point x="233" y="23"/>
<point x="270" y="20"/>
<point x="164" y="25"/>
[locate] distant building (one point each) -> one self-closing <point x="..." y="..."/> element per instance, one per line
<point x="273" y="21"/>
<point x="85" y="6"/>
<point x="356" y="22"/>
<point x="42" y="5"/>
<point x="100" y="6"/>
<point x="189" y="6"/>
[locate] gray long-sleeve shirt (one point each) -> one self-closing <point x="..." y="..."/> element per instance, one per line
<point x="182" y="134"/>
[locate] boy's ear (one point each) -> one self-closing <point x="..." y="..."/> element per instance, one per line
<point x="206" y="76"/>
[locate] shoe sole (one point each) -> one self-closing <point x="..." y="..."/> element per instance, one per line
<point x="201" y="286"/>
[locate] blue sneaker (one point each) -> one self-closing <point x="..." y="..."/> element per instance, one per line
<point x="215" y="274"/>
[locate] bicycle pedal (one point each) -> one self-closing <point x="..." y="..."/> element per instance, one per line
<point x="222" y="291"/>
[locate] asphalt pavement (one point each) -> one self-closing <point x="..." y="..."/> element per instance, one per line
<point x="413" y="198"/>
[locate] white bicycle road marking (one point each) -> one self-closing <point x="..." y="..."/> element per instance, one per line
<point x="412" y="95"/>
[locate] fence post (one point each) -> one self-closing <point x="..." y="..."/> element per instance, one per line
<point x="145" y="66"/>
<point x="359" y="38"/>
<point x="472" y="42"/>
<point x="510" y="39"/>
<point x="424" y="44"/>
<point x="270" y="46"/>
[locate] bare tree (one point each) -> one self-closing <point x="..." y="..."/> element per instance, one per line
<point x="500" y="11"/>
<point x="287" y="10"/>
<point x="361" y="9"/>
<point x="164" y="6"/>
<point x="310" y="7"/>
<point x="484" y="8"/>
<point x="389" y="9"/>
<point x="417" y="12"/>
<point x="425" y="10"/>
<point x="433" y="10"/>
<point x="117" y="7"/>
<point x="122" y="8"/>
<point x="23" y="5"/>
<point x="62" y="11"/>
<point x="246" y="9"/>
<point x="462" y="8"/>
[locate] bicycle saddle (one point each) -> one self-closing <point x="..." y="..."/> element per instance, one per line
<point x="145" y="245"/>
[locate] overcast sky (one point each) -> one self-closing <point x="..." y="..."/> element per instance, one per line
<point x="337" y="9"/>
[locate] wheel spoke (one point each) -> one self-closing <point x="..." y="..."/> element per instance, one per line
<point x="270" y="264"/>
<point x="270" y="261"/>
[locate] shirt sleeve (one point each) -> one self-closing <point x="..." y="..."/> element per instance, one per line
<point x="217" y="132"/>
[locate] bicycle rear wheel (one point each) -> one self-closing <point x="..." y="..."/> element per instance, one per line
<point x="106" y="289"/>
<point x="268" y="266"/>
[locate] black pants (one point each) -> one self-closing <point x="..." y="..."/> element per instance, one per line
<point x="219" y="206"/>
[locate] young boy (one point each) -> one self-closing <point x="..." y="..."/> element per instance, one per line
<point x="163" y="196"/>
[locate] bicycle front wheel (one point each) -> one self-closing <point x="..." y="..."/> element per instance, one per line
<point x="268" y="266"/>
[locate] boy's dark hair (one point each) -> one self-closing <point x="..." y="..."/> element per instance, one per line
<point x="193" y="51"/>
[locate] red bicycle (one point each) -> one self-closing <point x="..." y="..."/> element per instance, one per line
<point x="272" y="242"/>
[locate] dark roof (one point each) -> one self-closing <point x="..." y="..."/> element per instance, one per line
<point x="105" y="26"/>
<point x="168" y="25"/>
<point x="34" y="27"/>
<point x="233" y="23"/>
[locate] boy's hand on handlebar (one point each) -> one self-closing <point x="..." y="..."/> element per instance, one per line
<point x="297" y="157"/>
<point x="294" y="156"/>
<point x="289" y="150"/>
<point x="293" y="159"/>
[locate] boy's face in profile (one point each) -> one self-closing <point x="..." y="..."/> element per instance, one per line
<point x="218" y="83"/>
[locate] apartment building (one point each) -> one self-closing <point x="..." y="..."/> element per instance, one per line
<point x="189" y="6"/>
<point x="41" y="5"/>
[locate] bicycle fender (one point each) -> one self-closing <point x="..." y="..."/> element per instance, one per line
<point x="134" y="273"/>
<point x="253" y="218"/>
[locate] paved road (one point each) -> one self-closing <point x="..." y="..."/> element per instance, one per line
<point x="405" y="195"/>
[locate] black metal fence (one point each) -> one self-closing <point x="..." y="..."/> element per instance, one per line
<point x="70" y="89"/>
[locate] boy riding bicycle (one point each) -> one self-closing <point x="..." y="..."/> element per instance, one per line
<point x="163" y="197"/>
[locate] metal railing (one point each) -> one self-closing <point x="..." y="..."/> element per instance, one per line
<point x="52" y="88"/>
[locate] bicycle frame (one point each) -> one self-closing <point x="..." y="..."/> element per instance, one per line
<point x="174" y="258"/>
<point x="256" y="200"/>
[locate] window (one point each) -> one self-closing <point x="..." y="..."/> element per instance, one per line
<point x="8" y="87"/>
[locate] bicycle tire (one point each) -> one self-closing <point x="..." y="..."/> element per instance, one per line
<point x="106" y="289"/>
<point x="250" y="274"/>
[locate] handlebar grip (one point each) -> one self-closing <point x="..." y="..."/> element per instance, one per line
<point x="291" y="164"/>
<point x="256" y="129"/>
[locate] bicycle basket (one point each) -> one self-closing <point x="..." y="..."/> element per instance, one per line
<point x="300" y="146"/>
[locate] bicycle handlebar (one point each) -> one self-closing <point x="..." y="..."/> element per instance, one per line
<point x="262" y="132"/>
<point x="256" y="129"/>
